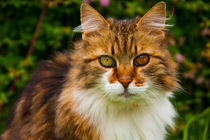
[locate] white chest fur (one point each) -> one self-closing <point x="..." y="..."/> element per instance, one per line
<point x="115" y="121"/>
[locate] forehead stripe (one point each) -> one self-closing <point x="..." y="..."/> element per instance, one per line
<point x="118" y="43"/>
<point x="125" y="45"/>
<point x="112" y="50"/>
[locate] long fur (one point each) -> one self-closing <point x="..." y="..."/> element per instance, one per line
<point x="145" y="120"/>
<point x="74" y="97"/>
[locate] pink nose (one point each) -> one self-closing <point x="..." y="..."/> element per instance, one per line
<point x="125" y="81"/>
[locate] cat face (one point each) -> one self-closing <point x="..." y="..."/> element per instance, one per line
<point x="125" y="59"/>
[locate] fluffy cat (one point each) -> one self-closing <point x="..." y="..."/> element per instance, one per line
<point x="114" y="85"/>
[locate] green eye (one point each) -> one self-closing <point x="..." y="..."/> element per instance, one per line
<point x="107" y="61"/>
<point x="141" y="60"/>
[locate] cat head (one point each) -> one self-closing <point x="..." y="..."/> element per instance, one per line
<point x="124" y="59"/>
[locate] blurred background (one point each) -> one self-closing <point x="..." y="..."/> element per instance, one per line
<point x="33" y="30"/>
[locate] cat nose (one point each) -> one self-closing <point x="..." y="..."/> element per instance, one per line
<point x="125" y="81"/>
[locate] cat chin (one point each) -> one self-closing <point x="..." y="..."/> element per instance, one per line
<point x="147" y="96"/>
<point x="116" y="93"/>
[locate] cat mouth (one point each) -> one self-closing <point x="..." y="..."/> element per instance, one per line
<point x="126" y="94"/>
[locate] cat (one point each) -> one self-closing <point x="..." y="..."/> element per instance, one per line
<point x="114" y="85"/>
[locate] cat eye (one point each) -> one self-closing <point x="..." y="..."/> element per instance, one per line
<point x="141" y="60"/>
<point x="107" y="61"/>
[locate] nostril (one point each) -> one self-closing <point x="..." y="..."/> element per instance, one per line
<point x="125" y="81"/>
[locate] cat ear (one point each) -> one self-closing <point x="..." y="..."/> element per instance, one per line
<point x="154" y="19"/>
<point x="91" y="20"/>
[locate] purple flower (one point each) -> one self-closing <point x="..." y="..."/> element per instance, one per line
<point x="86" y="1"/>
<point x="199" y="80"/>
<point x="179" y="58"/>
<point x="104" y="3"/>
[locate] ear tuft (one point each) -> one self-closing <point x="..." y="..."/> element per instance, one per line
<point x="91" y="20"/>
<point x="154" y="19"/>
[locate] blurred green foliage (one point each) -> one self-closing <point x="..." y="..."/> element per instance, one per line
<point x="188" y="41"/>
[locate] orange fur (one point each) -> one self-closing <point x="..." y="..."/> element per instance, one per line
<point x="46" y="109"/>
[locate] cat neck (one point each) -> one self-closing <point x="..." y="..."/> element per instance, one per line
<point x="116" y="121"/>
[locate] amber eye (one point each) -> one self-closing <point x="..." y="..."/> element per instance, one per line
<point x="107" y="61"/>
<point x="141" y="60"/>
